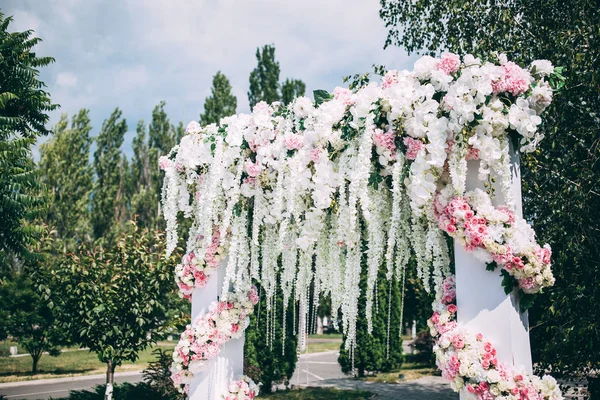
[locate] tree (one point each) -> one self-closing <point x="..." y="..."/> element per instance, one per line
<point x="27" y="317"/>
<point x="108" y="192"/>
<point x="68" y="175"/>
<point x="565" y="332"/>
<point x="381" y="350"/>
<point x="113" y="300"/>
<point x="221" y="103"/>
<point x="24" y="107"/>
<point x="265" y="358"/>
<point x="290" y="89"/>
<point x="264" y="79"/>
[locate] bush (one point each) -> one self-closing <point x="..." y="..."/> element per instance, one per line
<point x="124" y="391"/>
<point x="158" y="375"/>
<point x="423" y="344"/>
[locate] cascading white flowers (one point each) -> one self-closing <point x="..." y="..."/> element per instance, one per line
<point x="309" y="194"/>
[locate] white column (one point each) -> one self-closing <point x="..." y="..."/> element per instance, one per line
<point x="482" y="304"/>
<point x="212" y="381"/>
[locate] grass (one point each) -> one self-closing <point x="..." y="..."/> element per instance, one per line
<point x="320" y="347"/>
<point x="318" y="394"/>
<point x="327" y="336"/>
<point x="70" y="363"/>
<point x="408" y="372"/>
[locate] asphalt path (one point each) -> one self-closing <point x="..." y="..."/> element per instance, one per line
<point x="57" y="388"/>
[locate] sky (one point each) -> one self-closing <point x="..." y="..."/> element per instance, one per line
<point x="132" y="54"/>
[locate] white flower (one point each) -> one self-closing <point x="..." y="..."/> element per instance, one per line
<point x="303" y="106"/>
<point x="193" y="128"/>
<point x="541" y="68"/>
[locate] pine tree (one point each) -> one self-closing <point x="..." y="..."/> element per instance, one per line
<point x="221" y="103"/>
<point x="264" y="79"/>
<point x="23" y="114"/>
<point x="290" y="89"/>
<point x="68" y="175"/>
<point x="107" y="166"/>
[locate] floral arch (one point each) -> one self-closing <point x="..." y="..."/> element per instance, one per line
<point x="291" y="191"/>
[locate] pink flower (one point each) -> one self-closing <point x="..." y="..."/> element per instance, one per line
<point x="314" y="155"/>
<point x="293" y="142"/>
<point x="473" y="154"/>
<point x="514" y="80"/>
<point x="449" y="63"/>
<point x="253" y="169"/>
<point x="389" y="79"/>
<point x="344" y="95"/>
<point x="164" y="163"/>
<point x="413" y="146"/>
<point x="385" y="140"/>
<point x="451" y="308"/>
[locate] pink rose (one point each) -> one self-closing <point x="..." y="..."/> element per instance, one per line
<point x="344" y="95"/>
<point x="253" y="169"/>
<point x="413" y="146"/>
<point x="449" y="63"/>
<point x="164" y="163"/>
<point x="293" y="142"/>
<point x="385" y="140"/>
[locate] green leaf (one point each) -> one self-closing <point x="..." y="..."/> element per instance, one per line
<point x="508" y="282"/>
<point x="526" y="301"/>
<point x="321" y="96"/>
<point x="491" y="266"/>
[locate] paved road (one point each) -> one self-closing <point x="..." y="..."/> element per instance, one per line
<point x="56" y="388"/>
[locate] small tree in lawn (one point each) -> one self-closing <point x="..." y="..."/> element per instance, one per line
<point x="27" y="317"/>
<point x="114" y="300"/>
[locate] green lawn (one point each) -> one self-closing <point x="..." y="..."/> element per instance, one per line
<point x="327" y="336"/>
<point x="318" y="394"/>
<point x="67" y="364"/>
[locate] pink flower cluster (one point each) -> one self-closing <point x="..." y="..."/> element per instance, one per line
<point x="385" y="140"/>
<point x="413" y="146"/>
<point x="293" y="142"/>
<point x="514" y="80"/>
<point x="193" y="272"/>
<point x="449" y="63"/>
<point x="253" y="169"/>
<point x="389" y="79"/>
<point x="531" y="268"/>
<point x="242" y="389"/>
<point x="344" y="95"/>
<point x="468" y="361"/>
<point x="203" y="339"/>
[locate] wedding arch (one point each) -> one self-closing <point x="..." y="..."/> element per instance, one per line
<point x="287" y="195"/>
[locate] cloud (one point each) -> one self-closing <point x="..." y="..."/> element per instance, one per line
<point x="66" y="80"/>
<point x="135" y="53"/>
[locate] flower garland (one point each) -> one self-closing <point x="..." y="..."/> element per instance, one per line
<point x="469" y="362"/>
<point x="304" y="181"/>
<point x="202" y="340"/>
<point x="243" y="388"/>
<point x="194" y="272"/>
<point x="498" y="237"/>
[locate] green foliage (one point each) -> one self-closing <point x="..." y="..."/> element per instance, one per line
<point x="290" y="89"/>
<point x="23" y="113"/>
<point x="108" y="189"/>
<point x="67" y="174"/>
<point x="221" y="103"/>
<point x="264" y="79"/>
<point x="264" y="360"/>
<point x="560" y="179"/>
<point x="113" y="300"/>
<point x="123" y="391"/>
<point x="158" y="375"/>
<point x="380" y="351"/>
<point x="27" y="317"/>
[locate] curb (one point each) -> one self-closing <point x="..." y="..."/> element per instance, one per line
<point x="67" y="379"/>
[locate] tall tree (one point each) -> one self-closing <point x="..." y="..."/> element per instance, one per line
<point x="24" y="107"/>
<point x="108" y="165"/>
<point x="113" y="300"/>
<point x="143" y="198"/>
<point x="290" y="89"/>
<point x="68" y="175"/>
<point x="264" y="79"/>
<point x="565" y="331"/>
<point x="221" y="103"/>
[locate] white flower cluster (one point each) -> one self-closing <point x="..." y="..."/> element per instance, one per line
<point x="243" y="388"/>
<point x="316" y="181"/>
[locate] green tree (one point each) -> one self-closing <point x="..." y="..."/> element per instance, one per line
<point x="113" y="300"/>
<point x="290" y="89"/>
<point x="221" y="103"/>
<point x="381" y="350"/>
<point x="560" y="180"/>
<point x="68" y="175"/>
<point x="24" y="107"/>
<point x="143" y="198"/>
<point x="264" y="79"/>
<point x="28" y="318"/>
<point x="265" y="359"/>
<point x="108" y="166"/>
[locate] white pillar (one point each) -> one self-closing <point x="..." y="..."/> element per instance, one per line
<point x="482" y="304"/>
<point x="212" y="381"/>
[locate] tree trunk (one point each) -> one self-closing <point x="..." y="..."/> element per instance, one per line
<point x="110" y="378"/>
<point x="36" y="359"/>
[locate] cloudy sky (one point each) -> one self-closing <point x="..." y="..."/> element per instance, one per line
<point x="133" y="53"/>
